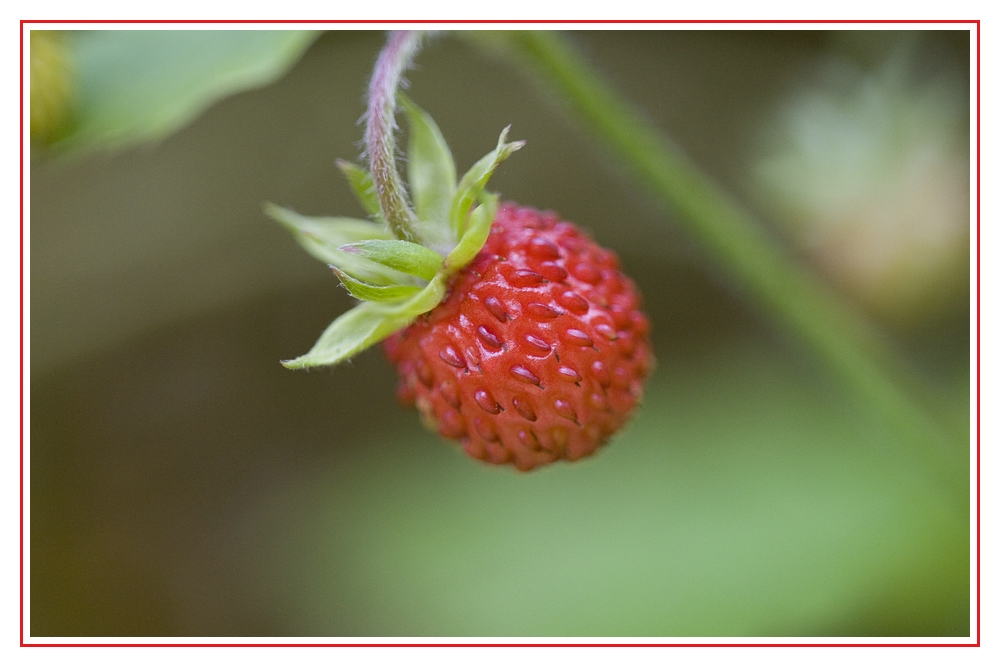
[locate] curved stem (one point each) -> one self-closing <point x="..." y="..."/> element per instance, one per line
<point x="395" y="58"/>
<point x="844" y="340"/>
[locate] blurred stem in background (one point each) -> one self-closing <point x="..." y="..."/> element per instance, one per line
<point x="850" y="346"/>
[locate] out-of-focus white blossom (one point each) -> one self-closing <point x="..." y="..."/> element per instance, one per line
<point x="870" y="174"/>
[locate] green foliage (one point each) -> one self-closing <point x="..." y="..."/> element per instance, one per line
<point x="404" y="256"/>
<point x="368" y="292"/>
<point x="476" y="233"/>
<point x="136" y="86"/>
<point x="430" y="168"/>
<point x="367" y="324"/>
<point x="362" y="186"/>
<point x="350" y="333"/>
<point x="323" y="237"/>
<point x="388" y="275"/>
<point x="474" y="180"/>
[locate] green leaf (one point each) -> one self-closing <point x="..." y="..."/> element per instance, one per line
<point x="368" y="292"/>
<point x="430" y="167"/>
<point x="362" y="185"/>
<point x="474" y="180"/>
<point x="476" y="234"/>
<point x="322" y="237"/>
<point x="142" y="85"/>
<point x="403" y="256"/>
<point x="367" y="324"/>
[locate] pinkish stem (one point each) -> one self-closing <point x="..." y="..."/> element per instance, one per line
<point x="395" y="58"/>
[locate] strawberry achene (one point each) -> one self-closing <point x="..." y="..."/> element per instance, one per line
<point x="539" y="351"/>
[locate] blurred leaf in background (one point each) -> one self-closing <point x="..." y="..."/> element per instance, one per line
<point x="117" y="88"/>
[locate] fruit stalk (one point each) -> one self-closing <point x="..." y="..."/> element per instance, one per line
<point x="394" y="59"/>
<point x="399" y="262"/>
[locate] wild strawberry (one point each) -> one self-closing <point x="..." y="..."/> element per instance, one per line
<point x="511" y="330"/>
<point x="538" y="352"/>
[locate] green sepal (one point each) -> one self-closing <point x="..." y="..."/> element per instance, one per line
<point x="368" y="292"/>
<point x="475" y="234"/>
<point x="362" y="186"/>
<point x="411" y="258"/>
<point x="322" y="237"/>
<point x="386" y="273"/>
<point x="357" y="329"/>
<point x="474" y="180"/>
<point x="367" y="324"/>
<point x="430" y="169"/>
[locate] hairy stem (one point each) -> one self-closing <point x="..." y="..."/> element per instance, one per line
<point x="395" y="58"/>
<point x="849" y="346"/>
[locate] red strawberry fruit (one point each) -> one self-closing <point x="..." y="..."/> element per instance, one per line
<point x="512" y="331"/>
<point x="538" y="352"/>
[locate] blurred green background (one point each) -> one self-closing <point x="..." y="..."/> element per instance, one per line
<point x="184" y="483"/>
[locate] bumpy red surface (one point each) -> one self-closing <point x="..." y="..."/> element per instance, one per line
<point x="538" y="352"/>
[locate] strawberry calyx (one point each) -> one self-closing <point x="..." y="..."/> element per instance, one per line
<point x="399" y="274"/>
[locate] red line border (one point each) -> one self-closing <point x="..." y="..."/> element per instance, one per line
<point x="979" y="191"/>
<point x="505" y="21"/>
<point x="21" y="311"/>
<point x="518" y="645"/>
<point x="976" y="22"/>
